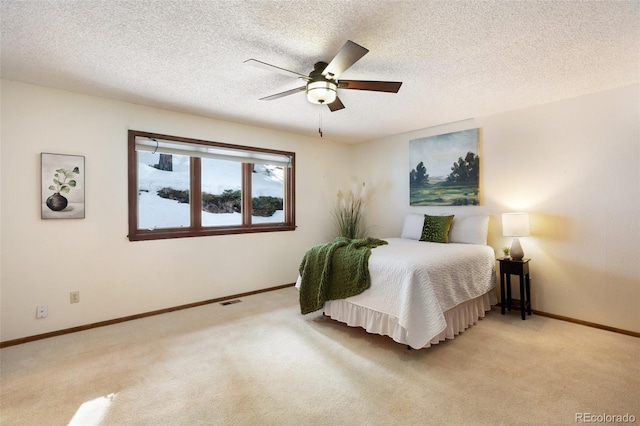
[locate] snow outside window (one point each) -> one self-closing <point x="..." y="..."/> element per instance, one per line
<point x="221" y="192"/>
<point x="267" y="193"/>
<point x="163" y="195"/>
<point x="181" y="187"/>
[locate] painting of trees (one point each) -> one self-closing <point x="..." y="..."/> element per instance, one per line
<point x="453" y="167"/>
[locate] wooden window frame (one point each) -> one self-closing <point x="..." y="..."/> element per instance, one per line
<point x="196" y="229"/>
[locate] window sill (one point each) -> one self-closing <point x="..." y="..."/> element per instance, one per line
<point x="157" y="234"/>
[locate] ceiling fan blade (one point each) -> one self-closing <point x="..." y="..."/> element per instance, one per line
<point x="283" y="94"/>
<point x="348" y="55"/>
<point x="336" y="105"/>
<point x="375" y="86"/>
<point x="269" y="67"/>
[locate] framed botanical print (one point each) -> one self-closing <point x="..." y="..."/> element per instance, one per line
<point x="62" y="186"/>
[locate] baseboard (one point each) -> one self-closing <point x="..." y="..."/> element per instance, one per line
<point x="134" y="317"/>
<point x="587" y="323"/>
<point x="516" y="307"/>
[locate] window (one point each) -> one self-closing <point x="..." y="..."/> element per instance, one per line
<point x="181" y="187"/>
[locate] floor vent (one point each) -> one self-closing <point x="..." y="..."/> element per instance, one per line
<point x="230" y="302"/>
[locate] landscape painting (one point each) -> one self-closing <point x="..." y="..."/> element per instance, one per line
<point x="445" y="169"/>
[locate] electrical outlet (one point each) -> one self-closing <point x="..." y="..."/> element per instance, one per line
<point x="74" y="297"/>
<point x="42" y="312"/>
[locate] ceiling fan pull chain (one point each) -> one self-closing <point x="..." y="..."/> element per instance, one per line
<point x="320" y="122"/>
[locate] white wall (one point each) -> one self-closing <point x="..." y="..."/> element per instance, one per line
<point x="44" y="260"/>
<point x="575" y="166"/>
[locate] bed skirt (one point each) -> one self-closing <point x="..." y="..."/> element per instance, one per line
<point x="458" y="319"/>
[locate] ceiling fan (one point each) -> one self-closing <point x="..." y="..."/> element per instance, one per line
<point x="322" y="83"/>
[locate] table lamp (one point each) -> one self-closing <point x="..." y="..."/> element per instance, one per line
<point x="515" y="225"/>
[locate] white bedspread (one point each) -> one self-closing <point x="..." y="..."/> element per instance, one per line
<point x="416" y="282"/>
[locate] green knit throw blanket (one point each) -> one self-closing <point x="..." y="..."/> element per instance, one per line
<point x="335" y="271"/>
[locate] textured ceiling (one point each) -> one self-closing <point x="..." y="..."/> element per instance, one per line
<point x="456" y="59"/>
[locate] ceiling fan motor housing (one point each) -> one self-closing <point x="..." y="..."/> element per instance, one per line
<point x="321" y="89"/>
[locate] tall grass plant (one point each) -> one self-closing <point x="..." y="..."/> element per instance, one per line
<point x="348" y="215"/>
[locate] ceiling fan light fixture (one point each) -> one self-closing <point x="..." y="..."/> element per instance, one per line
<point x="322" y="92"/>
<point x="322" y="83"/>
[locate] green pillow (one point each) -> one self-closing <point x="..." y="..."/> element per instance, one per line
<point x="436" y="228"/>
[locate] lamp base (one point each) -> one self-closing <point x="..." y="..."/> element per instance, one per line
<point x="516" y="251"/>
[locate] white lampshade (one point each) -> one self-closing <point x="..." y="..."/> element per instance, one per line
<point x="515" y="225"/>
<point x="322" y="92"/>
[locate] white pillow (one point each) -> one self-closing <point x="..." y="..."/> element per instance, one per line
<point x="412" y="227"/>
<point x="464" y="229"/>
<point x="469" y="229"/>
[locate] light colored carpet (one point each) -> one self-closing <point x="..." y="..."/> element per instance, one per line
<point x="260" y="362"/>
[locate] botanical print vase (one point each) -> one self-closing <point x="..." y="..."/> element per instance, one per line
<point x="56" y="202"/>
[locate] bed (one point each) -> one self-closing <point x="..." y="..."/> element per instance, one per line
<point x="423" y="292"/>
